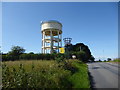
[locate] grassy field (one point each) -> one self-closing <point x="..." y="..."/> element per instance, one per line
<point x="116" y="61"/>
<point x="45" y="74"/>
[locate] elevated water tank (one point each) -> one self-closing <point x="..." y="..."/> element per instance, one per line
<point x="51" y="36"/>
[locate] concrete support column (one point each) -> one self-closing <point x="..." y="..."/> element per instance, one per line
<point x="58" y="42"/>
<point x="43" y="42"/>
<point x="61" y="40"/>
<point x="51" y="38"/>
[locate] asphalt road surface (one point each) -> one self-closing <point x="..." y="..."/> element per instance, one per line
<point x="104" y="75"/>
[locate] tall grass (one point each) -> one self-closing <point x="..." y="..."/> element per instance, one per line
<point x="44" y="74"/>
<point x="34" y="74"/>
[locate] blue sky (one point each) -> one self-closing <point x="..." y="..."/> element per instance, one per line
<point x="94" y="24"/>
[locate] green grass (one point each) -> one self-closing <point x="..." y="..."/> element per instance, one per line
<point x="45" y="74"/>
<point x="80" y="79"/>
<point x="116" y="60"/>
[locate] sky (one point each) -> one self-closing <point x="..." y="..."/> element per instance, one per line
<point x="93" y="23"/>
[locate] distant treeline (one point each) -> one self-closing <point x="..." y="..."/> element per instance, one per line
<point x="18" y="53"/>
<point x="32" y="56"/>
<point x="29" y="56"/>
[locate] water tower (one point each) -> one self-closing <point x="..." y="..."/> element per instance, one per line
<point x="51" y="36"/>
<point x="67" y="41"/>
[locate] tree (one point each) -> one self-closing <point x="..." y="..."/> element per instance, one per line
<point x="81" y="51"/>
<point x="109" y="59"/>
<point x="15" y="52"/>
<point x="31" y="52"/>
<point x="104" y="60"/>
<point x="81" y="55"/>
<point x="100" y="60"/>
<point x="92" y="58"/>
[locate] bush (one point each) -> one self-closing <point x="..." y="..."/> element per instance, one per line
<point x="81" y="55"/>
<point x="109" y="59"/>
<point x="59" y="58"/>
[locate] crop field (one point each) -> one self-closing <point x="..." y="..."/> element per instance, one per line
<point x="44" y="74"/>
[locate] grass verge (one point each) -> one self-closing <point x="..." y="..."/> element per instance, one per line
<point x="116" y="60"/>
<point x="80" y="78"/>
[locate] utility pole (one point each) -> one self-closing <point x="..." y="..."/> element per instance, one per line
<point x="103" y="54"/>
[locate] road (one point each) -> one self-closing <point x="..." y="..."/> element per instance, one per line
<point x="103" y="74"/>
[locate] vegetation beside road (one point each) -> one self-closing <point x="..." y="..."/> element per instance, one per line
<point x="45" y="74"/>
<point x="80" y="79"/>
<point x="18" y="53"/>
<point x="30" y="70"/>
<point x="116" y="60"/>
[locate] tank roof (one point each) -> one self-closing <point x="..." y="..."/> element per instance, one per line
<point x="50" y="21"/>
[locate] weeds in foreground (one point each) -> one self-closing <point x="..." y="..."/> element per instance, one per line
<point x="37" y="77"/>
<point x="44" y="74"/>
